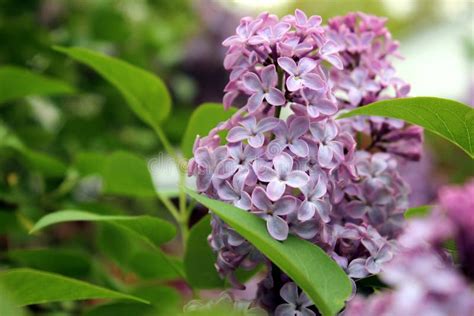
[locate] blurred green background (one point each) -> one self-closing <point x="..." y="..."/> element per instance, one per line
<point x="180" y="41"/>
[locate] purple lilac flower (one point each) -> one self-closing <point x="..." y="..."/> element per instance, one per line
<point x="272" y="212"/>
<point x="459" y="205"/>
<point x="252" y="131"/>
<point x="303" y="174"/>
<point x="422" y="275"/>
<point x="280" y="175"/>
<point x="295" y="303"/>
<point x="366" y="48"/>
<point x="290" y="136"/>
<point x="263" y="89"/>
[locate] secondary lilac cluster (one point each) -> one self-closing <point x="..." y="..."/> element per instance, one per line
<point x="302" y="174"/>
<point x="422" y="275"/>
<point x="366" y="48"/>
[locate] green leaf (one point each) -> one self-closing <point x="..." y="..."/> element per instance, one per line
<point x="49" y="165"/>
<point x="153" y="231"/>
<point x="145" y="93"/>
<point x="17" y="83"/>
<point x="203" y="119"/>
<point x="127" y="174"/>
<point x="308" y="265"/>
<point x="154" y="265"/>
<point x="35" y="287"/>
<point x="447" y="118"/>
<point x="8" y="305"/>
<point x="419" y="211"/>
<point x="164" y="301"/>
<point x="199" y="259"/>
<point x="90" y="163"/>
<point x="62" y="261"/>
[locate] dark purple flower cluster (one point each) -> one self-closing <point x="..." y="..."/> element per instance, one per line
<point x="302" y="174"/>
<point x="423" y="278"/>
<point x="366" y="48"/>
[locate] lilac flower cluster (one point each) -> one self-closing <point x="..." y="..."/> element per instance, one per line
<point x="302" y="174"/>
<point x="423" y="278"/>
<point x="366" y="48"/>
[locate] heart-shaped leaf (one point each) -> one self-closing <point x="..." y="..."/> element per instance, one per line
<point x="152" y="230"/>
<point x="145" y="93"/>
<point x="28" y="287"/>
<point x="447" y="118"/>
<point x="309" y="266"/>
<point x="203" y="119"/>
<point x="17" y="83"/>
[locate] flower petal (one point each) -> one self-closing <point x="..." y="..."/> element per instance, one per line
<point x="269" y="76"/>
<point x="305" y="65"/>
<point x="300" y="148"/>
<point x="288" y="64"/>
<point x="284" y="206"/>
<point x="275" y="189"/>
<point x="275" y="97"/>
<point x="277" y="227"/>
<point x="283" y="164"/>
<point x="226" y="168"/>
<point x="306" y="211"/>
<point x="313" y="81"/>
<point x="255" y="101"/>
<point x="260" y="199"/>
<point x="267" y="124"/>
<point x="294" y="84"/>
<point x="289" y="292"/>
<point x="325" y="155"/>
<point x="297" y="179"/>
<point x="237" y="134"/>
<point x="257" y="140"/>
<point x="252" y="82"/>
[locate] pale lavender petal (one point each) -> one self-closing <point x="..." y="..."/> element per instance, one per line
<point x="267" y="124"/>
<point x="356" y="209"/>
<point x="355" y="96"/>
<point x="277" y="227"/>
<point x="300" y="16"/>
<point x="203" y="180"/>
<point x="300" y="148"/>
<point x="283" y="164"/>
<point x="229" y="98"/>
<point x="257" y="141"/>
<point x="226" y="168"/>
<point x="323" y="208"/>
<point x="306" y="230"/>
<point x="298" y="127"/>
<point x="313" y="110"/>
<point x="284" y="206"/>
<point x="275" y="97"/>
<point x="275" y="189"/>
<point x="357" y="269"/>
<point x="294" y="84"/>
<point x="297" y="179"/>
<point x="280" y="29"/>
<point x="269" y="76"/>
<point x="245" y="202"/>
<point x="305" y="65"/>
<point x="327" y="107"/>
<point x="203" y="158"/>
<point x="317" y="131"/>
<point x="265" y="173"/>
<point x="275" y="147"/>
<point x="320" y="189"/>
<point x="325" y="155"/>
<point x="249" y="122"/>
<point x="306" y="211"/>
<point x="288" y="64"/>
<point x="334" y="60"/>
<point x="372" y="266"/>
<point x="255" y="101"/>
<point x="252" y="82"/>
<point x="237" y="134"/>
<point x="285" y="310"/>
<point x="225" y="192"/>
<point x="260" y="199"/>
<point x="313" y="81"/>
